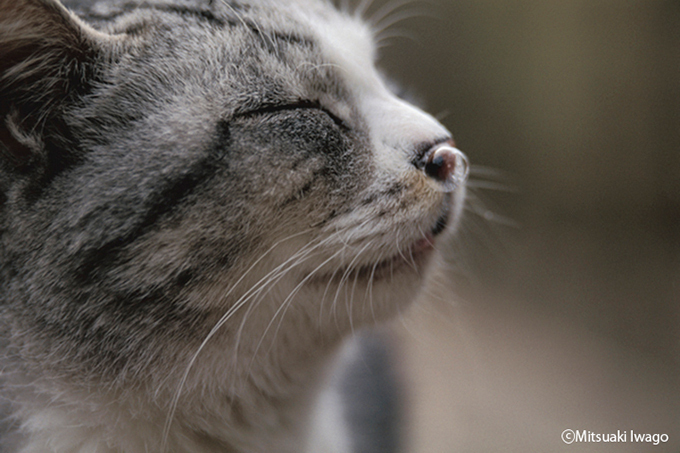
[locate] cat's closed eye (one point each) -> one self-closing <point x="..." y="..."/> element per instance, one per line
<point x="297" y="105"/>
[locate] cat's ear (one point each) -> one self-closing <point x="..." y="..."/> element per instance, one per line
<point x="47" y="57"/>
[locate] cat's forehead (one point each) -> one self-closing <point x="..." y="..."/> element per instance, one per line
<point x="341" y="41"/>
<point x="305" y="43"/>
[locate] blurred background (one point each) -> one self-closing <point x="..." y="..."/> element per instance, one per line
<point x="561" y="306"/>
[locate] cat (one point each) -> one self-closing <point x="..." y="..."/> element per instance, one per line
<point x="199" y="202"/>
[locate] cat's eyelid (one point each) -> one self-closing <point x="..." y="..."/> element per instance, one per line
<point x="300" y="104"/>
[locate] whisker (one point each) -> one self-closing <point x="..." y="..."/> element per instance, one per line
<point x="323" y="298"/>
<point x="275" y="276"/>
<point x="370" y="286"/>
<point x="273" y="280"/>
<point x="488" y="172"/>
<point x="441" y="116"/>
<point x="401" y="253"/>
<point x="344" y="6"/>
<point x="362" y="8"/>
<point x="385" y="10"/>
<point x="258" y="290"/>
<point x="345" y="275"/>
<point x="349" y="306"/>
<point x="369" y="283"/>
<point x="314" y="66"/>
<point x="286" y="302"/>
<point x="476" y="206"/>
<point x="227" y="315"/>
<point x="346" y="246"/>
<point x="397" y="17"/>
<point x="490" y="185"/>
<point x="256" y="262"/>
<point x="382" y="39"/>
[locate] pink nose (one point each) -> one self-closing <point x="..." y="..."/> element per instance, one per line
<point x="447" y="164"/>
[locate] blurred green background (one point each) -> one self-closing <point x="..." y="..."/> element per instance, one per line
<point x="576" y="105"/>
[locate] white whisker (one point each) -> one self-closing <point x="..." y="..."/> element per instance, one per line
<point x="287" y="301"/>
<point x="488" y="172"/>
<point x="362" y="8"/>
<point x="349" y="305"/>
<point x="476" y="206"/>
<point x="385" y="10"/>
<point x="313" y="66"/>
<point x="370" y="286"/>
<point x="344" y="277"/>
<point x="490" y="185"/>
<point x="383" y="39"/>
<point x="274" y="277"/>
<point x="395" y="18"/>
<point x="213" y="331"/>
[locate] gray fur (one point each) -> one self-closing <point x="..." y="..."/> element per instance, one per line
<point x="148" y="162"/>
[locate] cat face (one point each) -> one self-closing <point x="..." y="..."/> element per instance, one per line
<point x="201" y="161"/>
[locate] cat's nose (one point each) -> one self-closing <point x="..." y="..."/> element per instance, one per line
<point x="446" y="164"/>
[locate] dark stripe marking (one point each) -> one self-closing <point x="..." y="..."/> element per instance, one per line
<point x="158" y="206"/>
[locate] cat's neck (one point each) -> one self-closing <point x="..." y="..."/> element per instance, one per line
<point x="253" y="392"/>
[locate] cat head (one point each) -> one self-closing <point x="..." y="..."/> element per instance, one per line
<point x="168" y="164"/>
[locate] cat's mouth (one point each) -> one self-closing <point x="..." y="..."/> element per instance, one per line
<point x="413" y="257"/>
